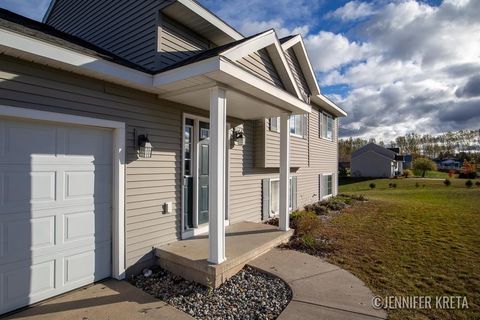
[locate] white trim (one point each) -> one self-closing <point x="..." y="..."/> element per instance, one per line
<point x="284" y="176"/>
<point x="327" y="104"/>
<point x="302" y="57"/>
<point x="287" y="100"/>
<point x="118" y="203"/>
<point x="50" y="54"/>
<point x="326" y="174"/>
<point x="216" y="188"/>
<point x="211" y="18"/>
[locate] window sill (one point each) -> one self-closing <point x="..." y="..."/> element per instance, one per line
<point x="326" y="139"/>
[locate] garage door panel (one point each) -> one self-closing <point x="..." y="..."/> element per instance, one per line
<point x="55" y="209"/>
<point x="22" y="140"/>
<point x="92" y="146"/>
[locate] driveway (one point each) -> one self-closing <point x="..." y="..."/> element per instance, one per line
<point x="111" y="299"/>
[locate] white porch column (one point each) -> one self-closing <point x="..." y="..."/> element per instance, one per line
<point x="216" y="188"/>
<point x="284" y="171"/>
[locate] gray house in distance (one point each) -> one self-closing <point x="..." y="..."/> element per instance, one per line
<point x="373" y="160"/>
<point x="129" y="125"/>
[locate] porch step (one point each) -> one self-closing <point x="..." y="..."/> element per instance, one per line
<point x="245" y="241"/>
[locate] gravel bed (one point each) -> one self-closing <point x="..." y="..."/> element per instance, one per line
<point x="249" y="294"/>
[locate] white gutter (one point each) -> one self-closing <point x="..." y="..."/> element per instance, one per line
<point x="325" y="103"/>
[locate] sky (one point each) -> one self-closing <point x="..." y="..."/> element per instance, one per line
<point x="395" y="66"/>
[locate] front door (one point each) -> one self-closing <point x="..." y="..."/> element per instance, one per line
<point x="203" y="148"/>
<point x="195" y="173"/>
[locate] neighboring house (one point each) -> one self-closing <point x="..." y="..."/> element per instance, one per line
<point x="407" y="161"/>
<point x="449" y="164"/>
<point x="373" y="160"/>
<point x="238" y="128"/>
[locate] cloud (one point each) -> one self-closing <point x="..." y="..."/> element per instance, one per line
<point x="253" y="27"/>
<point x="328" y="50"/>
<point x="353" y="10"/>
<point x="471" y="89"/>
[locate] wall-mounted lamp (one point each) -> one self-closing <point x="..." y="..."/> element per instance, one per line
<point x="238" y="137"/>
<point x="144" y="147"/>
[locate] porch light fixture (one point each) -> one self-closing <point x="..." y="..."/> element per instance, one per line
<point x="238" y="137"/>
<point x="144" y="147"/>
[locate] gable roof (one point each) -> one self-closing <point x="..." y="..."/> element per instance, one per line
<point x="375" y="148"/>
<point x="32" y="28"/>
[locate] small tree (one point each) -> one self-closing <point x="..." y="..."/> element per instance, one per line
<point x="372" y="185"/>
<point x="469" y="184"/>
<point x="423" y="165"/>
<point x="447" y="182"/>
<point x="407" y="173"/>
<point x="469" y="170"/>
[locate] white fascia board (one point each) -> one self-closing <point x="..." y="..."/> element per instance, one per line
<point x="188" y="71"/>
<point x="295" y="105"/>
<point x="12" y="43"/>
<point x="302" y="57"/>
<point x="211" y="18"/>
<point x="252" y="45"/>
<point x="324" y="102"/>
<point x="267" y="40"/>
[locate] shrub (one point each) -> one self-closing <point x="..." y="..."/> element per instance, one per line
<point x="394" y="185"/>
<point x="447" y="182"/>
<point x="372" y="185"/>
<point x="423" y="165"/>
<point x="469" y="170"/>
<point x="451" y="173"/>
<point x="390" y="185"/>
<point x="469" y="183"/>
<point x="477" y="183"/>
<point x="417" y="185"/>
<point x="305" y="223"/>
<point x="407" y="173"/>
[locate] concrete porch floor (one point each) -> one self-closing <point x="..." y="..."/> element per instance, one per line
<point x="245" y="241"/>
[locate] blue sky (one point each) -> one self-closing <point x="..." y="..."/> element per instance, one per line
<point x="395" y="66"/>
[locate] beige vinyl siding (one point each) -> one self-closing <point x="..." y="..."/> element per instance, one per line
<point x="126" y="28"/>
<point x="260" y="64"/>
<point x="177" y="42"/>
<point x="297" y="73"/>
<point x="323" y="159"/>
<point x="149" y="182"/>
<point x="268" y="149"/>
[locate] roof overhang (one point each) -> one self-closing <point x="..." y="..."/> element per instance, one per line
<point x="204" y="22"/>
<point x="252" y="98"/>
<point x="328" y="105"/>
<point x="298" y="47"/>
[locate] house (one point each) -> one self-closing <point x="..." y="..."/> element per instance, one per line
<point x="128" y="125"/>
<point x="449" y="164"/>
<point x="373" y="160"/>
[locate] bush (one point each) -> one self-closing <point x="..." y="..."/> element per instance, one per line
<point x="305" y="223"/>
<point x="447" y="182"/>
<point x="394" y="185"/>
<point x="469" y="184"/>
<point x="372" y="185"/>
<point x="423" y="165"/>
<point x="407" y="173"/>
<point x="417" y="185"/>
<point x="477" y="183"/>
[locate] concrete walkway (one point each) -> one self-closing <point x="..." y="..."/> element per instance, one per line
<point x="112" y="299"/>
<point x="321" y="291"/>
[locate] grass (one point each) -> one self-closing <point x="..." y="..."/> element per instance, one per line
<point x="412" y="240"/>
<point x="435" y="175"/>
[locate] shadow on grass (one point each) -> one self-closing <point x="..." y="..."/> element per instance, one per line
<point x="343" y="181"/>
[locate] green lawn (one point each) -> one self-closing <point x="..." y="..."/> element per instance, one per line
<point x="412" y="240"/>
<point x="436" y="174"/>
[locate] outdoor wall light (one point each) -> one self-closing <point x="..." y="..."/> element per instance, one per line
<point x="144" y="147"/>
<point x="238" y="137"/>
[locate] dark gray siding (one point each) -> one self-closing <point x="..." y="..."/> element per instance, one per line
<point x="126" y="28"/>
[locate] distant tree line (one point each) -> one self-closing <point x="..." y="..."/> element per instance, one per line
<point x="463" y="144"/>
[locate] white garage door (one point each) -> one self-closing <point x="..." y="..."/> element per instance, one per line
<point x="55" y="209"/>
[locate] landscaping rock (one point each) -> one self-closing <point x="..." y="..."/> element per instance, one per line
<point x="250" y="294"/>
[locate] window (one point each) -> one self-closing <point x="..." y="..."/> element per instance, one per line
<point x="326" y="185"/>
<point x="298" y="125"/>
<point x="275" y="195"/>
<point x="326" y="126"/>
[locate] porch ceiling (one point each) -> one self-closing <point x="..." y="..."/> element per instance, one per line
<point x="248" y="97"/>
